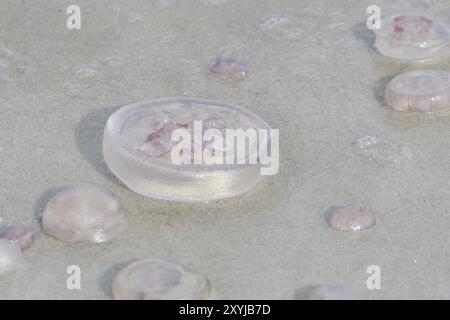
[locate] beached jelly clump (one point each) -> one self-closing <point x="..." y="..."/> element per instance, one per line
<point x="154" y="279"/>
<point x="86" y="213"/>
<point x="230" y="63"/>
<point x="419" y="91"/>
<point x="411" y="37"/>
<point x="23" y="235"/>
<point x="10" y="256"/>
<point x="229" y="67"/>
<point x="180" y="149"/>
<point x="351" y="218"/>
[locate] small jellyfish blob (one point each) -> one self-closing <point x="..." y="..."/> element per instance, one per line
<point x="332" y="293"/>
<point x="10" y="256"/>
<point x="231" y="63"/>
<point x="351" y="218"/>
<point x="229" y="67"/>
<point x="411" y="37"/>
<point x="154" y="279"/>
<point x="22" y="234"/>
<point x="86" y="213"/>
<point x="419" y="91"/>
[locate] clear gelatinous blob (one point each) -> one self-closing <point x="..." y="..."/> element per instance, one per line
<point x="154" y="279"/>
<point x="411" y="37"/>
<point x="23" y="235"/>
<point x="10" y="256"/>
<point x="142" y="157"/>
<point x="86" y="213"/>
<point x="382" y="149"/>
<point x="332" y="293"/>
<point x="419" y="91"/>
<point x="351" y="218"/>
<point x="229" y="67"/>
<point x="365" y="142"/>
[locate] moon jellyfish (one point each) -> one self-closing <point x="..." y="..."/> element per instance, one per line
<point x="332" y="293"/>
<point x="351" y="218"/>
<point x="10" y="256"/>
<point x="419" y="91"/>
<point x="21" y="234"/>
<point x="86" y="213"/>
<point x="231" y="63"/>
<point x="160" y="280"/>
<point x="138" y="148"/>
<point x="412" y="37"/>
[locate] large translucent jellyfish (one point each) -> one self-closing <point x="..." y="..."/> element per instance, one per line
<point x="419" y="91"/>
<point x="10" y="256"/>
<point x="138" y="148"/>
<point x="411" y="37"/>
<point x="154" y="279"/>
<point x="86" y="213"/>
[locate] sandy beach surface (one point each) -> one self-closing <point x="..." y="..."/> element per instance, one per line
<point x="313" y="74"/>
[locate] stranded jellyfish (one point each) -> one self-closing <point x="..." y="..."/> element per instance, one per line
<point x="411" y="37"/>
<point x="419" y="91"/>
<point x="351" y="218"/>
<point x="143" y="148"/>
<point x="10" y="256"/>
<point x="160" y="280"/>
<point x="231" y="64"/>
<point x="21" y="234"/>
<point x="85" y="213"/>
<point x="332" y="293"/>
<point x="228" y="67"/>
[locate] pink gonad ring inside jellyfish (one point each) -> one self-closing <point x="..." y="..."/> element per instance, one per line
<point x="185" y="149"/>
<point x="412" y="37"/>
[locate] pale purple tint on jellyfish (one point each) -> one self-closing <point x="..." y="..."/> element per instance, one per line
<point x="419" y="91"/>
<point x="83" y="214"/>
<point x="412" y="37"/>
<point x="229" y="67"/>
<point x="148" y="162"/>
<point x="22" y="234"/>
<point x="351" y="218"/>
<point x="160" y="280"/>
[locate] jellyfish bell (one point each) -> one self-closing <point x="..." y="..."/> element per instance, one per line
<point x="412" y="37"/>
<point x="351" y="218"/>
<point x="83" y="214"/>
<point x="419" y="91"/>
<point x="155" y="279"/>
